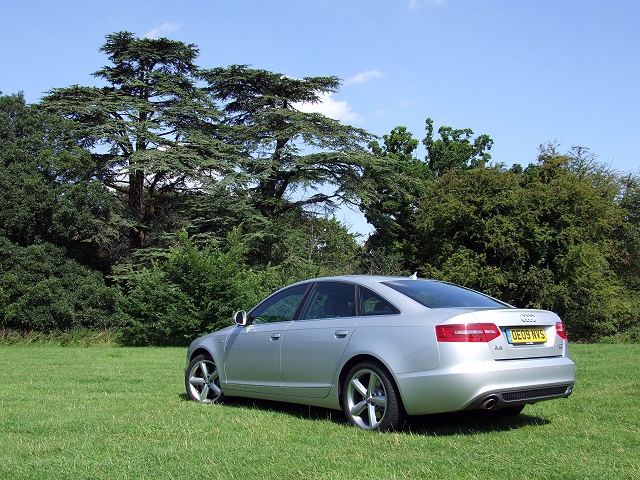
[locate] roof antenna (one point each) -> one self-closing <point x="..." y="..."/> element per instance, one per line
<point x="414" y="276"/>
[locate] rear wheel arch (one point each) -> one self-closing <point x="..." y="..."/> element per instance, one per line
<point x="370" y="397"/>
<point x="353" y="361"/>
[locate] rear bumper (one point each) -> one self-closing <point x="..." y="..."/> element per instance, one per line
<point x="467" y="386"/>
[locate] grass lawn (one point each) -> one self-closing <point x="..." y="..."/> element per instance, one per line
<point x="112" y="412"/>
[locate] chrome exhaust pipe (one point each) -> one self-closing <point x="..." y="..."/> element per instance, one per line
<point x="489" y="402"/>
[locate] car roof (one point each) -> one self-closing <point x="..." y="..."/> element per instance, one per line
<point x="396" y="297"/>
<point x="364" y="279"/>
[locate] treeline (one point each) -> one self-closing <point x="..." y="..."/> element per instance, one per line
<point x="160" y="203"/>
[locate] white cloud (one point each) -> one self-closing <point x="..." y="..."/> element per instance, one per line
<point x="328" y="106"/>
<point x="363" y="77"/>
<point x="416" y="4"/>
<point x="156" y="32"/>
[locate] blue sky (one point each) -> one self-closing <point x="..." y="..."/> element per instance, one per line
<point x="523" y="72"/>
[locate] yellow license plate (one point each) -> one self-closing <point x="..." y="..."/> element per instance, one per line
<point x="527" y="336"/>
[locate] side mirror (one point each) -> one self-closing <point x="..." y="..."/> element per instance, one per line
<point x="240" y="318"/>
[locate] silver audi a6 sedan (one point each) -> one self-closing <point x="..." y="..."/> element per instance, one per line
<point x="381" y="348"/>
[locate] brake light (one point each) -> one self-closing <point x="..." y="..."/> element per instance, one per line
<point x="467" y="332"/>
<point x="562" y="333"/>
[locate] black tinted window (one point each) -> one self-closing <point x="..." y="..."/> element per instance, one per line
<point x="279" y="307"/>
<point x="331" y="300"/>
<point x="434" y="294"/>
<point x="372" y="304"/>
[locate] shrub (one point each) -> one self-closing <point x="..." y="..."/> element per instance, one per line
<point x="193" y="292"/>
<point x="42" y="289"/>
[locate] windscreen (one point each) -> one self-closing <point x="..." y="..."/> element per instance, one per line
<point x="434" y="294"/>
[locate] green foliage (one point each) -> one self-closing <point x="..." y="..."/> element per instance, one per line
<point x="305" y="245"/>
<point x="454" y="149"/>
<point x="168" y="146"/>
<point x="283" y="149"/>
<point x="194" y="292"/>
<point x="213" y="213"/>
<point x="395" y="183"/>
<point x="197" y="286"/>
<point x="331" y="247"/>
<point x="45" y="194"/>
<point x="153" y="121"/>
<point x="383" y="262"/>
<point x="42" y="289"/>
<point x="627" y="236"/>
<point x="546" y="237"/>
<point x="594" y="304"/>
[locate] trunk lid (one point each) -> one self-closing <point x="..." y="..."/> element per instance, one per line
<point x="523" y="333"/>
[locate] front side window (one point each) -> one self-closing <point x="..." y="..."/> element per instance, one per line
<point x="331" y="300"/>
<point x="280" y="307"/>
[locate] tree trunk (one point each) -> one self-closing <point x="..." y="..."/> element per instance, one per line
<point x="136" y="188"/>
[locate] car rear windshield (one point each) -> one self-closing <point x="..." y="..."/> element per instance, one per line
<point x="434" y="294"/>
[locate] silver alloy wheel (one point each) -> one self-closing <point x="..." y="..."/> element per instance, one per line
<point x="366" y="398"/>
<point x="204" y="383"/>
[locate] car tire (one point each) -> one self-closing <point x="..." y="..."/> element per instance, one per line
<point x="202" y="380"/>
<point x="370" y="399"/>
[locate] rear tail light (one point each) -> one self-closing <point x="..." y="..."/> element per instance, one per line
<point x="562" y="333"/>
<point x="467" y="332"/>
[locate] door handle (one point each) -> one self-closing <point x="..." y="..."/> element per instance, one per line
<point x="274" y="336"/>
<point x="341" y="333"/>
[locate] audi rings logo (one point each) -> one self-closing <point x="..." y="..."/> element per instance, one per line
<point x="528" y="317"/>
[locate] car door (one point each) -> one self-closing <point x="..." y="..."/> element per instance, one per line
<point x="312" y="345"/>
<point x="252" y="353"/>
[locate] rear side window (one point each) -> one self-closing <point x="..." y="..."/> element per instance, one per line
<point x="372" y="304"/>
<point x="434" y="294"/>
<point x="331" y="300"/>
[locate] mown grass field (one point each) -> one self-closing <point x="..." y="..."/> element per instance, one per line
<point x="112" y="412"/>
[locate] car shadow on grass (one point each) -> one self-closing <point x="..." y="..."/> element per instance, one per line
<point x="470" y="422"/>
<point x="443" y="424"/>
